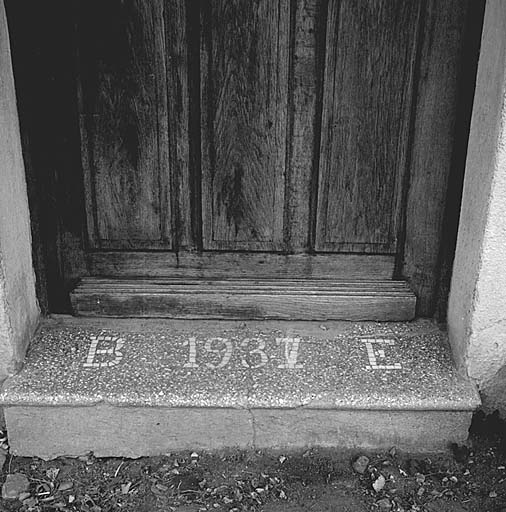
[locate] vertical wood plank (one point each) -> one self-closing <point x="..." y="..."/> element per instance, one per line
<point x="178" y="109"/>
<point x="371" y="47"/>
<point x="244" y="69"/>
<point x="433" y="143"/>
<point x="124" y="123"/>
<point x="303" y="138"/>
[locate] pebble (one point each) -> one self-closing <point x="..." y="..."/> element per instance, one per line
<point x="360" y="464"/>
<point x="65" y="486"/>
<point x="379" y="483"/>
<point x="15" y="484"/>
<point x="384" y="504"/>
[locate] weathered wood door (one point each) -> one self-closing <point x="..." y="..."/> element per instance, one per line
<point x="256" y="156"/>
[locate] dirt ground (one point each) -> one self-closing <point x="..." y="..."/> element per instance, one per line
<point x="467" y="478"/>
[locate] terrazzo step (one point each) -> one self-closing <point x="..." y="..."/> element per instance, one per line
<point x="144" y="387"/>
<point x="245" y="298"/>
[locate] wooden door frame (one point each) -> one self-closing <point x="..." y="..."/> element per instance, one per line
<point x="426" y="258"/>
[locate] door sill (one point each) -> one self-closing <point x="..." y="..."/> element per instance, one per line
<point x="130" y="388"/>
<point x="245" y="299"/>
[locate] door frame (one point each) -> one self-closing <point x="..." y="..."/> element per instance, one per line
<point x="489" y="103"/>
<point x="425" y="255"/>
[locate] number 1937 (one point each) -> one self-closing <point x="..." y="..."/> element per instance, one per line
<point x="252" y="353"/>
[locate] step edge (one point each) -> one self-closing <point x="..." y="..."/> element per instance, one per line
<point x="469" y="403"/>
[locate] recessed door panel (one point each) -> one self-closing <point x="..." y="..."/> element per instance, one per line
<point x="244" y="83"/>
<point x="367" y="89"/>
<point x="124" y="123"/>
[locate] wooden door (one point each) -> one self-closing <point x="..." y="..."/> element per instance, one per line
<point x="253" y="158"/>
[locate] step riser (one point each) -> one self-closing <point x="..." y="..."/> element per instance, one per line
<point x="245" y="299"/>
<point x="357" y="308"/>
<point x="48" y="432"/>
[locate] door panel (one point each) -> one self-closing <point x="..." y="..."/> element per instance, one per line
<point x="124" y="128"/>
<point x="368" y="79"/>
<point x="244" y="81"/>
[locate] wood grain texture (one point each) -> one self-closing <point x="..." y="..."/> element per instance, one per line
<point x="252" y="264"/>
<point x="124" y="123"/>
<point x="307" y="54"/>
<point x="246" y="299"/>
<point x="433" y="145"/>
<point x="368" y="78"/>
<point x="176" y="57"/>
<point x="244" y="84"/>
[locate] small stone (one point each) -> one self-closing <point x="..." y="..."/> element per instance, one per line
<point x="379" y="483"/>
<point x="492" y="494"/>
<point x="384" y="504"/>
<point x="360" y="464"/>
<point x="65" y="486"/>
<point x="14" y="485"/>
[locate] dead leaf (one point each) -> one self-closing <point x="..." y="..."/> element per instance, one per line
<point x="52" y="473"/>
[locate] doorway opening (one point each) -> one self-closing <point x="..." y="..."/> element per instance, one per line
<point x="290" y="159"/>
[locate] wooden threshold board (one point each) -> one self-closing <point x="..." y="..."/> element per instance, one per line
<point x="245" y="298"/>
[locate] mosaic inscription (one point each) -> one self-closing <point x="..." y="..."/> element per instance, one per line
<point x="253" y="352"/>
<point x="110" y="347"/>
<point x="105" y="351"/>
<point x="376" y="351"/>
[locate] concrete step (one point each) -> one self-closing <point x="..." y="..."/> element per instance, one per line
<point x="129" y="387"/>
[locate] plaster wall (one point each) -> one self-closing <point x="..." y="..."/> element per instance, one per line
<point x="19" y="310"/>
<point x="477" y="303"/>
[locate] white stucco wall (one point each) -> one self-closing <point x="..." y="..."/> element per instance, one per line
<point x="19" y="311"/>
<point x="477" y="304"/>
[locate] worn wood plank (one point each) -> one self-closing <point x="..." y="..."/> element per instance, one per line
<point x="282" y="286"/>
<point x="190" y="264"/>
<point x="176" y="55"/>
<point x="123" y="105"/>
<point x="245" y="299"/>
<point x="244" y="75"/>
<point x="304" y="82"/>
<point x="433" y="147"/>
<point x="371" y="48"/>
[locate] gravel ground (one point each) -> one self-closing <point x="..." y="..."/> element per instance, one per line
<point x="467" y="478"/>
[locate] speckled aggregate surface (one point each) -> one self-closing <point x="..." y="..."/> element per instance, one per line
<point x="240" y="365"/>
